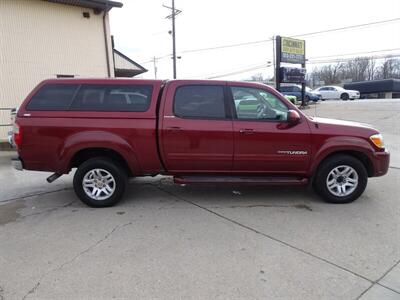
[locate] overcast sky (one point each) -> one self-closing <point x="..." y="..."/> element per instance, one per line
<point x="140" y="31"/>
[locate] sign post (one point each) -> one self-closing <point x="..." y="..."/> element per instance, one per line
<point x="292" y="51"/>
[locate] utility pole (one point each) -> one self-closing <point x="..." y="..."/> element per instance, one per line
<point x="173" y="38"/>
<point x="155" y="67"/>
<point x="172" y="16"/>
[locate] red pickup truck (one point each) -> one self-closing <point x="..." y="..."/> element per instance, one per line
<point x="198" y="131"/>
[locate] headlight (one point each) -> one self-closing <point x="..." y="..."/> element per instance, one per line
<point x="377" y="139"/>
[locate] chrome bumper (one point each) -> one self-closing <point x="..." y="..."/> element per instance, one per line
<point x="17" y="164"/>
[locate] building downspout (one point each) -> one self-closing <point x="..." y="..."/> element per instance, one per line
<point x="106" y="41"/>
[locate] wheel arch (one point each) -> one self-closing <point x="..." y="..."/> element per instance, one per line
<point x="99" y="143"/>
<point x="86" y="153"/>
<point x="361" y="156"/>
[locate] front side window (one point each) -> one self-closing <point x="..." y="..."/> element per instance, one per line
<point x="53" y="97"/>
<point x="200" y="102"/>
<point x="130" y="98"/>
<point x="257" y="104"/>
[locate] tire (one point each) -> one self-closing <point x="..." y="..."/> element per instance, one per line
<point x="112" y="184"/>
<point x="344" y="96"/>
<point x="307" y="99"/>
<point x="352" y="175"/>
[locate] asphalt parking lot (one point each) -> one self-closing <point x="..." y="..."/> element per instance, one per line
<point x="168" y="241"/>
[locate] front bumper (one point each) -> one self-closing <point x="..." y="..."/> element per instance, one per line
<point x="381" y="163"/>
<point x="17" y="164"/>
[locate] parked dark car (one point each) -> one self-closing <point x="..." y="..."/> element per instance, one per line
<point x="198" y="131"/>
<point x="295" y="90"/>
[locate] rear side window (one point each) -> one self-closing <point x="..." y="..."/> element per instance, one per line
<point x="200" y="102"/>
<point x="53" y="97"/>
<point x="133" y="98"/>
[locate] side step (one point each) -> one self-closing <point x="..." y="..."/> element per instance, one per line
<point x="241" y="180"/>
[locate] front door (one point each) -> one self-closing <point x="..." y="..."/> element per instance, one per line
<point x="264" y="141"/>
<point x="196" y="129"/>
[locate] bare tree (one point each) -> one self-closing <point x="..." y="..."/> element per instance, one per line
<point x="389" y="69"/>
<point x="257" y="77"/>
<point x="329" y="74"/>
<point x="357" y="69"/>
<point x="371" y="69"/>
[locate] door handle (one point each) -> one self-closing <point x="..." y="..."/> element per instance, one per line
<point x="246" y="131"/>
<point x="174" y="128"/>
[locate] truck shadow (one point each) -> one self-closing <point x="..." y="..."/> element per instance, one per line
<point x="229" y="196"/>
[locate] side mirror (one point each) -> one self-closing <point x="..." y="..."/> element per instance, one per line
<point x="293" y="117"/>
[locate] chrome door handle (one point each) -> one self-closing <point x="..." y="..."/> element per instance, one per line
<point x="246" y="131"/>
<point x="174" y="128"/>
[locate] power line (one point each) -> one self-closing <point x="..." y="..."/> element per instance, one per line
<point x="247" y="69"/>
<point x="395" y="55"/>
<point x="312" y="60"/>
<point x="356" y="53"/>
<point x="297" y="35"/>
<point x="272" y="39"/>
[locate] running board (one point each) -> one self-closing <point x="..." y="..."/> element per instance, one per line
<point x="241" y="180"/>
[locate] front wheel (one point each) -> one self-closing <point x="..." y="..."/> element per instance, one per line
<point x="344" y="96"/>
<point x="100" y="182"/>
<point x="341" y="179"/>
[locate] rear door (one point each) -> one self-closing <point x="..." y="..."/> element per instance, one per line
<point x="264" y="141"/>
<point x="196" y="130"/>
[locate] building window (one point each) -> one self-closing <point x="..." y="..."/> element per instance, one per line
<point x="64" y="76"/>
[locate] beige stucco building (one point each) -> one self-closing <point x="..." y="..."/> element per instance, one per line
<point x="56" y="38"/>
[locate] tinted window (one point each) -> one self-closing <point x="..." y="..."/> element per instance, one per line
<point x="200" y="102"/>
<point x="258" y="104"/>
<point x="296" y="89"/>
<point x="53" y="97"/>
<point x="323" y="89"/>
<point x="113" y="98"/>
<point x="286" y="89"/>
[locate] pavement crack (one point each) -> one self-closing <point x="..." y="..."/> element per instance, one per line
<point x="267" y="235"/>
<point x="379" y="279"/>
<point x="298" y="206"/>
<point x="106" y="236"/>
<point x="34" y="195"/>
<point x="50" y="210"/>
<point x="32" y="290"/>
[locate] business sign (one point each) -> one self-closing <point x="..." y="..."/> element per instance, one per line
<point x="293" y="50"/>
<point x="293" y="75"/>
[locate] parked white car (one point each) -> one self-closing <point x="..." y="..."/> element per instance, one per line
<point x="337" y="92"/>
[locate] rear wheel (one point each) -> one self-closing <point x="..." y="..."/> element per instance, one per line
<point x="341" y="179"/>
<point x="100" y="182"/>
